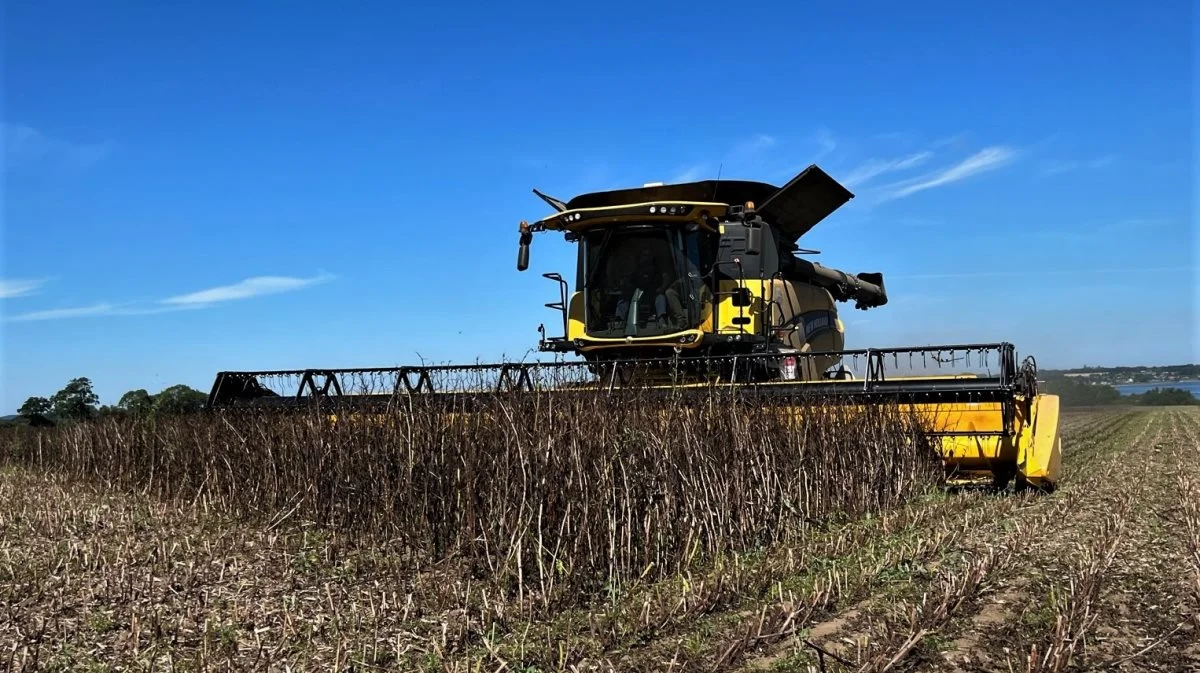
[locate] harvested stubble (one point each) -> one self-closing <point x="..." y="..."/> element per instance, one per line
<point x="548" y="496"/>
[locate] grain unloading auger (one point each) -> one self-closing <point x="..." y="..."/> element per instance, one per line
<point x="683" y="287"/>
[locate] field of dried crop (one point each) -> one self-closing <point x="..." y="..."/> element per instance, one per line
<point x="623" y="545"/>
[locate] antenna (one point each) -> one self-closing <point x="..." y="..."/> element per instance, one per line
<point x="718" y="182"/>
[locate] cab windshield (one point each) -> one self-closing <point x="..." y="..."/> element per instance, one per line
<point x="645" y="280"/>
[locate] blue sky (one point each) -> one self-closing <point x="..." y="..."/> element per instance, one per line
<point x="233" y="186"/>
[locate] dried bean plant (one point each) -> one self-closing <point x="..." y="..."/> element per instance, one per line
<point x="548" y="495"/>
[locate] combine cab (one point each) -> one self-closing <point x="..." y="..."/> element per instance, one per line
<point x="689" y="286"/>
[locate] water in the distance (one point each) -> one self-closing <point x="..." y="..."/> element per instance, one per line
<point x="1192" y="387"/>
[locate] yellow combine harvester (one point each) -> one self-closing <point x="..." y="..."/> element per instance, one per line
<point x="688" y="286"/>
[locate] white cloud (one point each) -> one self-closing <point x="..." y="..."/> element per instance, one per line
<point x="1059" y="166"/>
<point x="251" y="287"/>
<point x="902" y="137"/>
<point x="26" y="147"/>
<point x="1042" y="272"/>
<point x="745" y="155"/>
<point x="60" y="313"/>
<point x="749" y="153"/>
<point x="954" y="141"/>
<point x="19" y="287"/>
<point x="876" y="167"/>
<point x="95" y="310"/>
<point x="691" y="173"/>
<point x="1101" y="233"/>
<point x="154" y="310"/>
<point x="825" y="141"/>
<point x="987" y="159"/>
<point x="759" y="142"/>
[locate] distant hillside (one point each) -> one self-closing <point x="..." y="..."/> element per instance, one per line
<point x="1091" y="386"/>
<point x="13" y="419"/>
<point x="1131" y="374"/>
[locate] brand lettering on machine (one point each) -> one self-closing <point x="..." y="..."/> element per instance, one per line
<point x="816" y="321"/>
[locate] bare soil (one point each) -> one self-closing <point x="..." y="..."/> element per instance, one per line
<point x="1103" y="574"/>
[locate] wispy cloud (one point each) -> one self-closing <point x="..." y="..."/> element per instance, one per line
<point x="1058" y="166"/>
<point x="747" y="154"/>
<point x="1103" y="232"/>
<point x="987" y="159"/>
<point x="1041" y="272"/>
<point x="62" y="313"/>
<point x="19" y="287"/>
<point x="916" y="221"/>
<point x="907" y="137"/>
<point x="96" y="310"/>
<point x="955" y="141"/>
<point x="873" y="168"/>
<point x="757" y="143"/>
<point x="691" y="173"/>
<point x="26" y="147"/>
<point x="826" y="142"/>
<point x="750" y="153"/>
<point x="251" y="287"/>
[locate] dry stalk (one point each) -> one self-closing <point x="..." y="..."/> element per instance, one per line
<point x="546" y="496"/>
<point x="1075" y="613"/>
<point x="1189" y="498"/>
<point x="951" y="590"/>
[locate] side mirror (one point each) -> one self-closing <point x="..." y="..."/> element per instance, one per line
<point x="523" y="250"/>
<point x="753" y="239"/>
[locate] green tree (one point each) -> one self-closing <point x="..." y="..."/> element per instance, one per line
<point x="1075" y="393"/>
<point x="137" y="402"/>
<point x="179" y="399"/>
<point x="76" y="401"/>
<point x="106" y="411"/>
<point x="35" y="406"/>
<point x="1166" y="397"/>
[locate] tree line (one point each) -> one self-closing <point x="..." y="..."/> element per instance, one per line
<point x="1075" y="393"/>
<point x="77" y="401"/>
